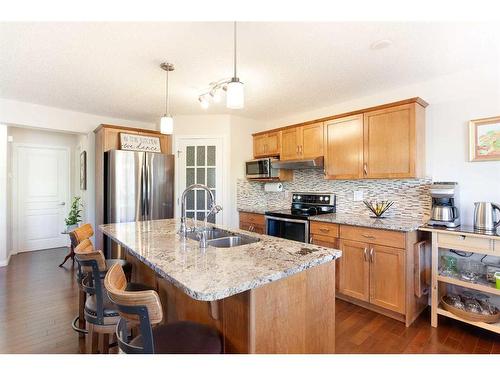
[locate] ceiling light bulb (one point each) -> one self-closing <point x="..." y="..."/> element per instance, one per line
<point x="203" y="102"/>
<point x="166" y="125"/>
<point x="235" y="98"/>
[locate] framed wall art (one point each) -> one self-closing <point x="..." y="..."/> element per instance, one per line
<point x="135" y="142"/>
<point x="83" y="170"/>
<point x="484" y="139"/>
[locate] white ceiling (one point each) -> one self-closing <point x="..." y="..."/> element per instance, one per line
<point x="113" y="68"/>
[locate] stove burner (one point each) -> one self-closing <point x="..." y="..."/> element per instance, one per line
<point x="308" y="204"/>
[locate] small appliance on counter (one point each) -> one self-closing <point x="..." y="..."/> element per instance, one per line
<point x="444" y="211"/>
<point x="485" y="216"/>
<point x="293" y="224"/>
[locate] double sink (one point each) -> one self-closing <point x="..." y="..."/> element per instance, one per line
<point x="222" y="238"/>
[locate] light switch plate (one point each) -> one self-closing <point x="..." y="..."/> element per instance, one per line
<point x="357" y="195"/>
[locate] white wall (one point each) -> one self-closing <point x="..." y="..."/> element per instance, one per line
<point x="27" y="114"/>
<point x="3" y="196"/>
<point x="236" y="133"/>
<point x="34" y="116"/>
<point x="453" y="101"/>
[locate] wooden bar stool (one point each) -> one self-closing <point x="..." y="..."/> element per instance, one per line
<point x="100" y="313"/>
<point x="144" y="309"/>
<point x="86" y="250"/>
<point x="80" y="242"/>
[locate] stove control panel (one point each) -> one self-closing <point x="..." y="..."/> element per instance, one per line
<point x="314" y="198"/>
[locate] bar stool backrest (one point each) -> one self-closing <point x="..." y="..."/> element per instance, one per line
<point x="92" y="283"/>
<point x="142" y="308"/>
<point x="85" y="251"/>
<point x="82" y="233"/>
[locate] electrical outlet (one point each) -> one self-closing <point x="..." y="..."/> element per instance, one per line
<point x="357" y="195"/>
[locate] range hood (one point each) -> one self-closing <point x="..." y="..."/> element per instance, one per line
<point x="315" y="163"/>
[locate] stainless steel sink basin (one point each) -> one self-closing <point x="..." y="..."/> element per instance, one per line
<point x="232" y="241"/>
<point x="212" y="233"/>
<point x="223" y="238"/>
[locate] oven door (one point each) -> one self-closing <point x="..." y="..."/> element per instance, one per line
<point x="260" y="168"/>
<point x="291" y="229"/>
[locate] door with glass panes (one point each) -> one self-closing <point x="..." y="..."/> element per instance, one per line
<point x="200" y="162"/>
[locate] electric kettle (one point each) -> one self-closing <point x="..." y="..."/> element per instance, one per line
<point x="486" y="216"/>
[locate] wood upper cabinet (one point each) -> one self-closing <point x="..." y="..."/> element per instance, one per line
<point x="393" y="142"/>
<point x="387" y="277"/>
<point x="312" y="141"/>
<point x="290" y="140"/>
<point x="344" y="148"/>
<point x="302" y="142"/>
<point x="267" y="144"/>
<point x="355" y="274"/>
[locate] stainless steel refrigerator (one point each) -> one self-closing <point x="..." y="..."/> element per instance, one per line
<point x="138" y="186"/>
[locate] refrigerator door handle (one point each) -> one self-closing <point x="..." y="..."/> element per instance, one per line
<point x="143" y="191"/>
<point x="148" y="192"/>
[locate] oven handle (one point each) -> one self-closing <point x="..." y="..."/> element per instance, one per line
<point x="306" y="222"/>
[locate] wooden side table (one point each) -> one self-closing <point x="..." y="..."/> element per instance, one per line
<point x="71" y="250"/>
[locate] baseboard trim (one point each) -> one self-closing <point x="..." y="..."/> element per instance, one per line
<point x="4" y="263"/>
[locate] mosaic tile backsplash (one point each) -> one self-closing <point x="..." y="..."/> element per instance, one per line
<point x="411" y="197"/>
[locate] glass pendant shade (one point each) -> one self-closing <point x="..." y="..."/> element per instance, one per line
<point x="235" y="96"/>
<point x="166" y="125"/>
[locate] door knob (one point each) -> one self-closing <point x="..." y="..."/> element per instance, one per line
<point x="62" y="203"/>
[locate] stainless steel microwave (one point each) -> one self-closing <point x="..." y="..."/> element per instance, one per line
<point x="261" y="169"/>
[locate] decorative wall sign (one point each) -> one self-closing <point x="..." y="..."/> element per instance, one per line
<point x="134" y="142"/>
<point x="83" y="170"/>
<point x="484" y="139"/>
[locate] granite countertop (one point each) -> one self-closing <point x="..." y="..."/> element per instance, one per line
<point x="389" y="223"/>
<point x="215" y="273"/>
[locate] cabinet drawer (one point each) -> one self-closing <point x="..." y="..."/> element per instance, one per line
<point x="373" y="236"/>
<point x="251" y="227"/>
<point x="325" y="241"/>
<point x="248" y="217"/>
<point x="324" y="229"/>
<point x="464" y="242"/>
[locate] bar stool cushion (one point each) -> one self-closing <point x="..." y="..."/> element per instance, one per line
<point x="184" y="338"/>
<point x="111" y="315"/>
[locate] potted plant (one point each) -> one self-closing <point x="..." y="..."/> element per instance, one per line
<point x="74" y="215"/>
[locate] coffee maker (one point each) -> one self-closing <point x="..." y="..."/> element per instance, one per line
<point x="444" y="211"/>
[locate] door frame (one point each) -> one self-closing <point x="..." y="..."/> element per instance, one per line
<point x="224" y="189"/>
<point x="16" y="146"/>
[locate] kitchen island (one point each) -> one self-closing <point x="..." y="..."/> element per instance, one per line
<point x="271" y="296"/>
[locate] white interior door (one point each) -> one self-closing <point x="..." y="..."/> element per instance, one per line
<point x="42" y="192"/>
<point x="199" y="161"/>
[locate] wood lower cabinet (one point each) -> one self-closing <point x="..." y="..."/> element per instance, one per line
<point x="387" y="277"/>
<point x="355" y="277"/>
<point x="253" y="222"/>
<point x="267" y="144"/>
<point x="378" y="268"/>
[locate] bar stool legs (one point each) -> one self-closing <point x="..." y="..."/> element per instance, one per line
<point x="99" y="337"/>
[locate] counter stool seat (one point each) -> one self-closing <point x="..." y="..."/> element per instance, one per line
<point x="110" y="312"/>
<point x="183" y="338"/>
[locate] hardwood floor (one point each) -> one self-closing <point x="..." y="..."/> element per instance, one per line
<point x="38" y="300"/>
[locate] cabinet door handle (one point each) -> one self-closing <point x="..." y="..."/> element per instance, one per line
<point x="365" y="169"/>
<point x="365" y="255"/>
<point x="324" y="230"/>
<point x="368" y="236"/>
<point x="372" y="255"/>
<point x="311" y="239"/>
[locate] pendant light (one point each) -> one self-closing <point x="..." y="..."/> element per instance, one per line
<point x="235" y="96"/>
<point x="167" y="122"/>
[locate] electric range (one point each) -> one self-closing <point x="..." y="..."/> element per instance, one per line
<point x="293" y="223"/>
